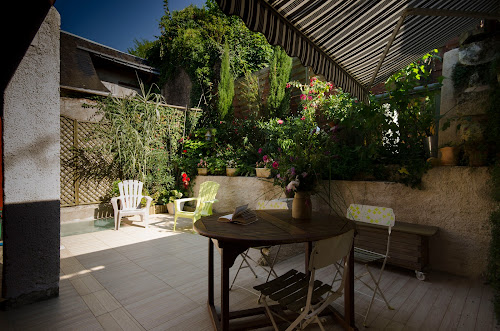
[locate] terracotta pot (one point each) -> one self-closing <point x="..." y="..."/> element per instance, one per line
<point x="202" y="171"/>
<point x="301" y="205"/>
<point x="448" y="156"/>
<point x="231" y="172"/>
<point x="263" y="172"/>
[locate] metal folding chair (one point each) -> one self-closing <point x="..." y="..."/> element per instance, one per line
<point x="245" y="256"/>
<point x="379" y="216"/>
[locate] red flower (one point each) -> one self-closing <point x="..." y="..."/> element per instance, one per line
<point x="184" y="151"/>
<point x="303" y="97"/>
<point x="275" y="164"/>
<point x="303" y="118"/>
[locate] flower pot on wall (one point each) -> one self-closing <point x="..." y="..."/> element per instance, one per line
<point x="301" y="205"/>
<point x="202" y="171"/>
<point x="231" y="172"/>
<point x="263" y="172"/>
<point x="448" y="156"/>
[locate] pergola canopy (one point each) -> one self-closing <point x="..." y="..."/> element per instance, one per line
<point x="357" y="44"/>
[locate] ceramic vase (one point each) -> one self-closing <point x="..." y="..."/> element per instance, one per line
<point x="301" y="205"/>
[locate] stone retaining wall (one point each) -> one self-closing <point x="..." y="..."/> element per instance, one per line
<point x="456" y="199"/>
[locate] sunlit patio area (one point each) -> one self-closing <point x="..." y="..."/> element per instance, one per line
<point x="156" y="279"/>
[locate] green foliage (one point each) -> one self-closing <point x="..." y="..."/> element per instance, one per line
<point x="250" y="92"/>
<point x="464" y="76"/>
<point x="299" y="150"/>
<point x="193" y="39"/>
<point x="137" y="138"/>
<point x="140" y="48"/>
<point x="278" y="100"/>
<point x="226" y="85"/>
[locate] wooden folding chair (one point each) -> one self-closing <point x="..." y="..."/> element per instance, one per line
<point x="305" y="295"/>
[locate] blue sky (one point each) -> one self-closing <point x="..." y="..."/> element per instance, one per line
<point x="116" y="23"/>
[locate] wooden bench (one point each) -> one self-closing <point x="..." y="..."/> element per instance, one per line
<point x="409" y="244"/>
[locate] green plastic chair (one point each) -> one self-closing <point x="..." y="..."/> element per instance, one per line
<point x="204" y="202"/>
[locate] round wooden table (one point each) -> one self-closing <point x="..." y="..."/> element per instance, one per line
<point x="273" y="227"/>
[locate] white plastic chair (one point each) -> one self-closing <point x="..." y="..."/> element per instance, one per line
<point x="374" y="215"/>
<point x="130" y="202"/>
<point x="245" y="256"/>
<point x="308" y="297"/>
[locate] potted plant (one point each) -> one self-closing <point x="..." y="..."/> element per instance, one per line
<point x="171" y="196"/>
<point x="202" y="167"/>
<point x="263" y="167"/>
<point x="231" y="168"/>
<point x="217" y="165"/>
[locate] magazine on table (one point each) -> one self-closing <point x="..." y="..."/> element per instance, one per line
<point x="242" y="215"/>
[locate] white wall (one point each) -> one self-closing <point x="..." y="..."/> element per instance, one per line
<point x="31" y="120"/>
<point x="31" y="225"/>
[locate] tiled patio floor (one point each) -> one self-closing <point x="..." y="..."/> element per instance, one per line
<point x="155" y="279"/>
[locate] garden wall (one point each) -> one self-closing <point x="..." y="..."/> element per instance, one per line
<point x="456" y="199"/>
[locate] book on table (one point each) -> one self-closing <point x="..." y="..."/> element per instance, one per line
<point x="241" y="215"/>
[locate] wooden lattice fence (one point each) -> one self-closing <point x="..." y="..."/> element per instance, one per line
<point x="74" y="190"/>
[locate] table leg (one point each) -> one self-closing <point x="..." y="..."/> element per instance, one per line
<point x="210" y="272"/>
<point x="211" y="305"/>
<point x="225" y="265"/>
<point x="228" y="253"/>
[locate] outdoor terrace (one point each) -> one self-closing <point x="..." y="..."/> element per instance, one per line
<point x="156" y="279"/>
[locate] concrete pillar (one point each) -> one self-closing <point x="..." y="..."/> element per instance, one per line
<point x="31" y="171"/>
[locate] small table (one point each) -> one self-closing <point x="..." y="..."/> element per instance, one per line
<point x="274" y="227"/>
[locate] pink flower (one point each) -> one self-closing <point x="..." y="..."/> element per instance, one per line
<point x="303" y="97"/>
<point x="280" y="122"/>
<point x="265" y="158"/>
<point x="293" y="185"/>
<point x="310" y="97"/>
<point x="275" y="164"/>
<point x="303" y="118"/>
<point x="288" y="85"/>
<point x="259" y="151"/>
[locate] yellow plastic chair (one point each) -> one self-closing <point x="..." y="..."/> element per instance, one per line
<point x="204" y="202"/>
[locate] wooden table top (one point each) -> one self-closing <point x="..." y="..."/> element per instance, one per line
<point x="274" y="227"/>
